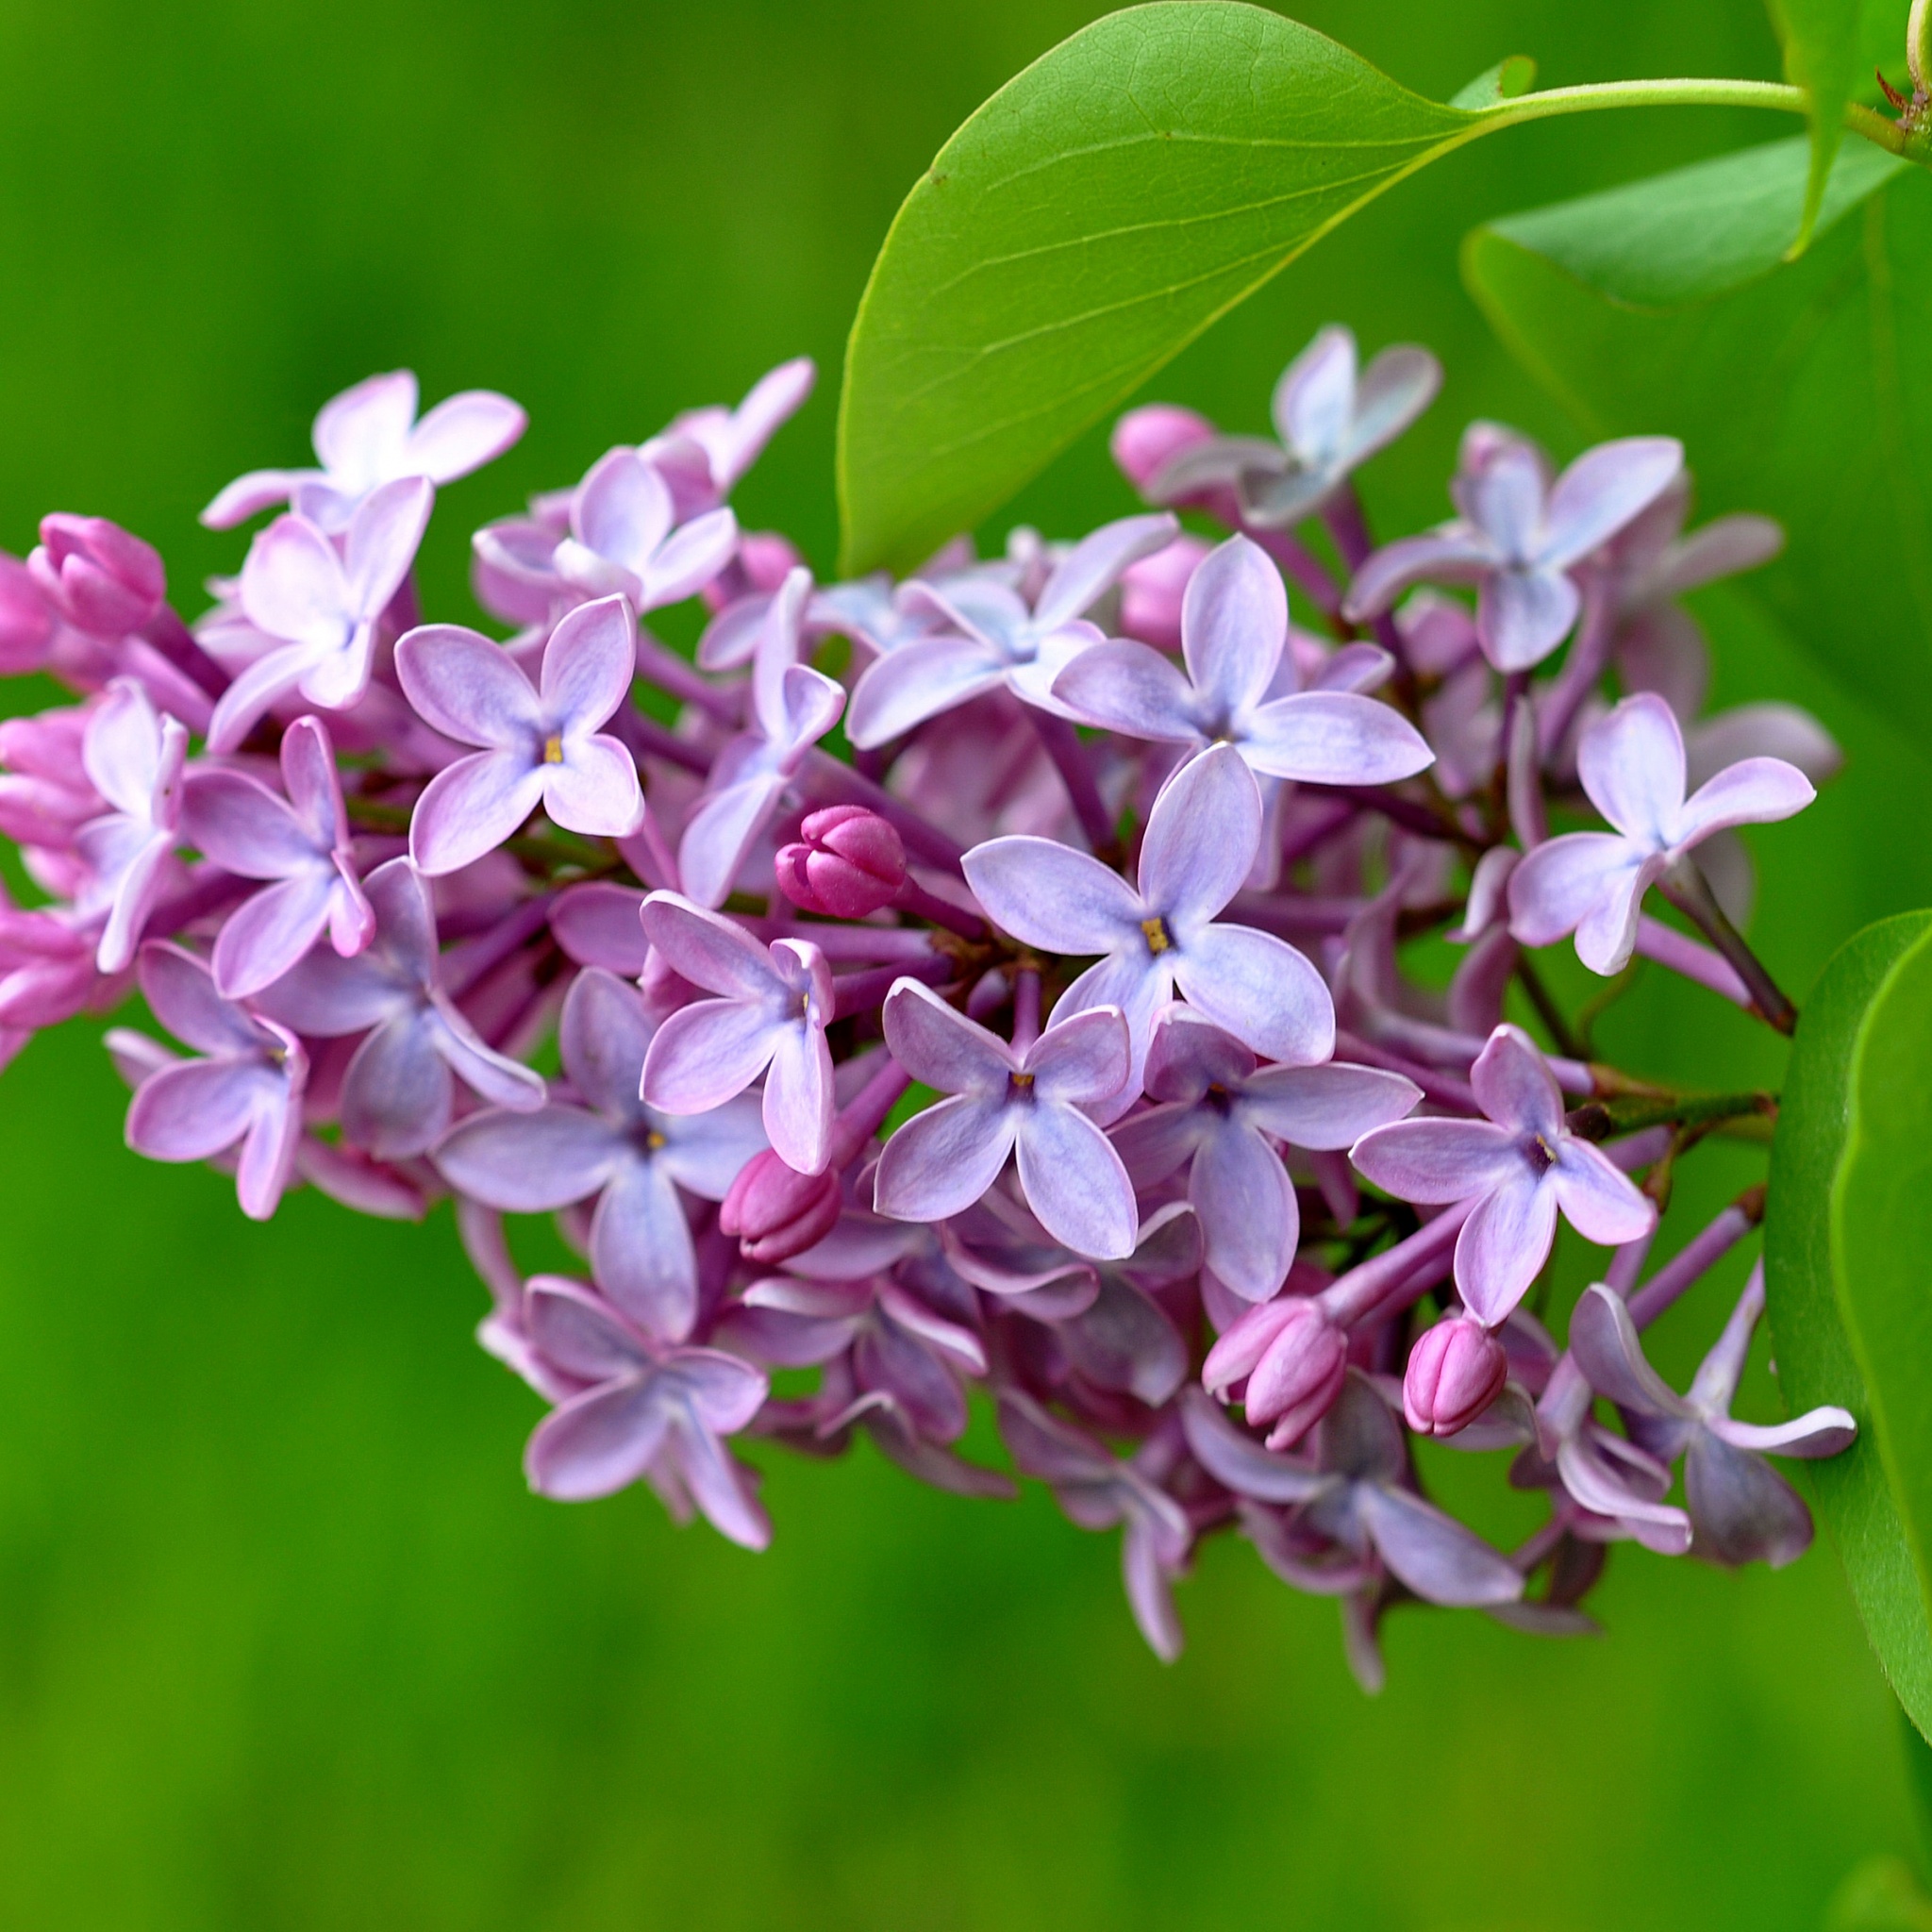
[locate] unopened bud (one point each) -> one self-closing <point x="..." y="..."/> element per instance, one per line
<point x="98" y="576"/>
<point x="1145" y="441"/>
<point x="27" y="623"/>
<point x="778" y="1212"/>
<point x="1455" y="1370"/>
<point x="1295" y="1383"/>
<point x="847" y="862"/>
<point x="1152" y="590"/>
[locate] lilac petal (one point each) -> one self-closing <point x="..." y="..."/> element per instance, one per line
<point x="308" y="773"/>
<point x="703" y="1153"/>
<point x="769" y="405"/>
<point x="1200" y="843"/>
<point x="1396" y="387"/>
<point x="1129" y="687"/>
<point x="1190" y="1055"/>
<point x="1762" y="730"/>
<point x="1153" y="1144"/>
<point x="1504" y="1244"/>
<point x="1742" y="1510"/>
<point x="243" y="826"/>
<point x="470" y="807"/>
<point x="248" y="495"/>
<point x="944" y="1160"/>
<point x="396" y="1094"/>
<point x="195" y="1110"/>
<point x="595" y="790"/>
<point x="266" y="935"/>
<point x="1333" y="738"/>
<point x="1513" y="1084"/>
<point x="1602" y="1341"/>
<point x="1081" y="1059"/>
<point x="689" y="558"/>
<point x="185" y="1000"/>
<point x="1328" y="1107"/>
<point x="1430" y="1161"/>
<point x="798" y="1098"/>
<point x="462" y="433"/>
<point x="1600" y="1201"/>
<point x="1095" y="564"/>
<point x="268" y="1152"/>
<point x="1246" y="1205"/>
<point x="1522" y="615"/>
<point x="622" y="510"/>
<point x="641" y="1252"/>
<point x="1234" y="1459"/>
<point x="121" y="748"/>
<point x="1149" y="1587"/>
<point x="1602" y="490"/>
<point x="1261" y="990"/>
<point x="1438" y="1559"/>
<point x="1817" y="1432"/>
<point x="917" y="682"/>
<point x="327" y="997"/>
<point x="576" y="1328"/>
<point x="705" y="1053"/>
<point x="293" y="585"/>
<point x="1753" y="792"/>
<point x="1632" y="766"/>
<point x="719" y="835"/>
<point x="383" y="540"/>
<point x="1075" y="1183"/>
<point x="134" y="899"/>
<point x="597" y="925"/>
<point x="588" y="665"/>
<point x="603" y="1036"/>
<point x="1503" y="490"/>
<point x="468" y="688"/>
<point x="271" y="677"/>
<point x="1234" y="623"/>
<point x="1360" y="1438"/>
<point x="530" y="1164"/>
<point x="362" y="431"/>
<point x="1587" y="1473"/>
<point x="885" y="1358"/>
<point x="1135" y="986"/>
<point x="1314" y="397"/>
<point x="720" y="1488"/>
<point x="597" y="1442"/>
<point x="1049" y="895"/>
<point x="709" y="950"/>
<point x="492" y="1075"/>
<point x="1455" y="555"/>
<point x="1554" y="888"/>
<point x="939" y="1047"/>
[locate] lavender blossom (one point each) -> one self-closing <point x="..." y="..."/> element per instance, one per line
<point x="624" y="538"/>
<point x="134" y="760"/>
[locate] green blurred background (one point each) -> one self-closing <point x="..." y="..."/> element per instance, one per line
<point x="283" y="1641"/>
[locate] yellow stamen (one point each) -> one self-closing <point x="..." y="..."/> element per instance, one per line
<point x="1157" y="940"/>
<point x="654" y="1139"/>
<point x="552" y="749"/>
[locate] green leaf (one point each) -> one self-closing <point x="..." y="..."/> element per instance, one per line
<point x="1494" y="85"/>
<point x="1822" y="41"/>
<point x="1817" y="1358"/>
<point x="1086" y="224"/>
<point x="1800" y="392"/>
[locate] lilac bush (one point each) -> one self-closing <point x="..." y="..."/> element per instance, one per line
<point x="1059" y="1052"/>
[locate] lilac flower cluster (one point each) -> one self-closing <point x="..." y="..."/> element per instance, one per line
<point x="1059" y="1037"/>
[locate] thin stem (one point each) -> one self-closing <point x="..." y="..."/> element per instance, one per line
<point x="1548" y="1011"/>
<point x="1376" y="1288"/>
<point x="912" y="897"/>
<point x="859" y="993"/>
<point x="1063" y="745"/>
<point x="1685" y="887"/>
<point x="1025" y="1008"/>
<point x="860" y="1118"/>
<point x="1682" y="954"/>
<point x="1697" y="1258"/>
<point x="1348" y="524"/>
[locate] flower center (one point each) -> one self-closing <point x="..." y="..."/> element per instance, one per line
<point x="1540" y="1153"/>
<point x="1158" y="938"/>
<point x="653" y="1141"/>
<point x="1019" y="1084"/>
<point x="552" y="749"/>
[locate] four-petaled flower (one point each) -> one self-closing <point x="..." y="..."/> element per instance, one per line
<point x="1632" y="766"/>
<point x="991" y="637"/>
<point x="397" y="1096"/>
<point x="1740" y="1508"/>
<point x="1234" y="632"/>
<point x="369" y="436"/>
<point x="1520" y="1166"/>
<point x="624" y="537"/>
<point x="301" y="843"/>
<point x="321" y="606"/>
<point x="641" y="1412"/>
<point x="775" y="1002"/>
<point x="542" y="743"/>
<point x="1519" y="537"/>
<point x="1200" y="843"/>
<point x="134" y="759"/>
<point x="1028" y="1105"/>
<point x="246" y="1091"/>
<point x="1330" y="420"/>
<point x="632" y="1159"/>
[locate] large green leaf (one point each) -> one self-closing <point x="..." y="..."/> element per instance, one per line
<point x="1818" y="1358"/>
<point x="1804" y="391"/>
<point x="1821" y="43"/>
<point x="1089" y="221"/>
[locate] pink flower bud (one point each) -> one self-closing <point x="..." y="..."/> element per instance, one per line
<point x="1151" y="590"/>
<point x="767" y="558"/>
<point x="1455" y="1370"/>
<point x="101" y="579"/>
<point x="846" y="863"/>
<point x="778" y="1212"/>
<point x="1145" y="441"/>
<point x="1295" y="1383"/>
<point x="26" y="624"/>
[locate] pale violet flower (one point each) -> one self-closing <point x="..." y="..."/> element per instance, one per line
<point x="133" y="757"/>
<point x="541" y="744"/>
<point x="703" y="453"/>
<point x="1520" y="1165"/>
<point x="1632" y="766"/>
<point x="624" y="537"/>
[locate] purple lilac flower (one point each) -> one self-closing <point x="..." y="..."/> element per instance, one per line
<point x="992" y="638"/>
<point x="1024" y="1104"/>
<point x="1520" y="1165"/>
<point x="246" y="1093"/>
<point x="1632" y="766"/>
<point x="321" y="605"/>
<point x="1519" y="537"/>
<point x="1234" y="630"/>
<point x="1200" y="844"/>
<point x="1329" y="419"/>
<point x="625" y="538"/>
<point x="1223" y="1120"/>
<point x="398" y="1094"/>
<point x="368" y="437"/>
<point x="770" y="1018"/>
<point x="643" y="1411"/>
<point x="134" y="759"/>
<point x="300" y="842"/>
<point x="1740" y="1509"/>
<point x="793" y="706"/>
<point x="703" y="453"/>
<point x="541" y="745"/>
